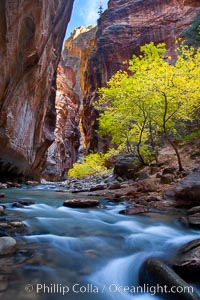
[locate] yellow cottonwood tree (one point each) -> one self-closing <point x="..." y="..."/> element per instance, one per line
<point x="155" y="100"/>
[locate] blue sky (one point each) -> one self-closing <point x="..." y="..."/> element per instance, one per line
<point x="84" y="14"/>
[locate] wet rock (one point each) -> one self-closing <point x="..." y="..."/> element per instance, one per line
<point x="81" y="203"/>
<point x="3" y="186"/>
<point x="7" y="245"/>
<point x="1" y="209"/>
<point x="22" y="203"/>
<point x="127" y="166"/>
<point x="32" y="183"/>
<point x="112" y="178"/>
<point x="194" y="220"/>
<point x="134" y="210"/>
<point x="17" y="204"/>
<point x="184" y="221"/>
<point x="3" y="283"/>
<point x="26" y="202"/>
<point x="12" y="227"/>
<point x="124" y="185"/>
<point x="187" y="261"/>
<point x="2" y="195"/>
<point x="187" y="191"/>
<point x="98" y="187"/>
<point x="154" y="272"/>
<point x="13" y="184"/>
<point x="193" y="210"/>
<point x="167" y="178"/>
<point x="91" y="253"/>
<point x="3" y="232"/>
<point x="114" y="185"/>
<point x="17" y="224"/>
<point x="193" y="217"/>
<point x="4" y="225"/>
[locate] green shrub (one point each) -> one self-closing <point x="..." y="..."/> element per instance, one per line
<point x="93" y="164"/>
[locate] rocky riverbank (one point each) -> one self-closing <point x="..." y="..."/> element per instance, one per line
<point x="158" y="187"/>
<point x="155" y="189"/>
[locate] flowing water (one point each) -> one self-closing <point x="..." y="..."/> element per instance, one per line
<point x="86" y="253"/>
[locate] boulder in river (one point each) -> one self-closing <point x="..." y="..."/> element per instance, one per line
<point x="3" y="186"/>
<point x="1" y="209"/>
<point x="187" y="261"/>
<point x="193" y="210"/>
<point x="187" y="191"/>
<point x="26" y="202"/>
<point x="2" y="195"/>
<point x="13" y="184"/>
<point x="193" y="218"/>
<point x="81" y="203"/>
<point x="157" y="274"/>
<point x="7" y="245"/>
<point x="22" y="203"/>
<point x="134" y="210"/>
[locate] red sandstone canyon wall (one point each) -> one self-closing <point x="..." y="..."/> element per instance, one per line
<point x="31" y="39"/>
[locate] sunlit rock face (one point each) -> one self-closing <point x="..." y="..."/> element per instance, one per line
<point x="64" y="151"/>
<point x="31" y="39"/>
<point x="69" y="101"/>
<point x="77" y="49"/>
<point x="122" y="29"/>
<point x="77" y="52"/>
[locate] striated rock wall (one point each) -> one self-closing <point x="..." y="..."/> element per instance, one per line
<point x="30" y="45"/>
<point x="76" y="54"/>
<point x="64" y="151"/>
<point x="122" y="29"/>
<point x="69" y="98"/>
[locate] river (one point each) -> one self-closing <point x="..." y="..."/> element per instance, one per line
<point x="86" y="253"/>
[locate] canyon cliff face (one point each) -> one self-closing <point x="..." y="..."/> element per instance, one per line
<point x="64" y="151"/>
<point x="122" y="29"/>
<point x="30" y="45"/>
<point x="77" y="51"/>
<point x="69" y="100"/>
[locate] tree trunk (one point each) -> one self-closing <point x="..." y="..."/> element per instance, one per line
<point x="139" y="154"/>
<point x="165" y="119"/>
<point x="177" y="154"/>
